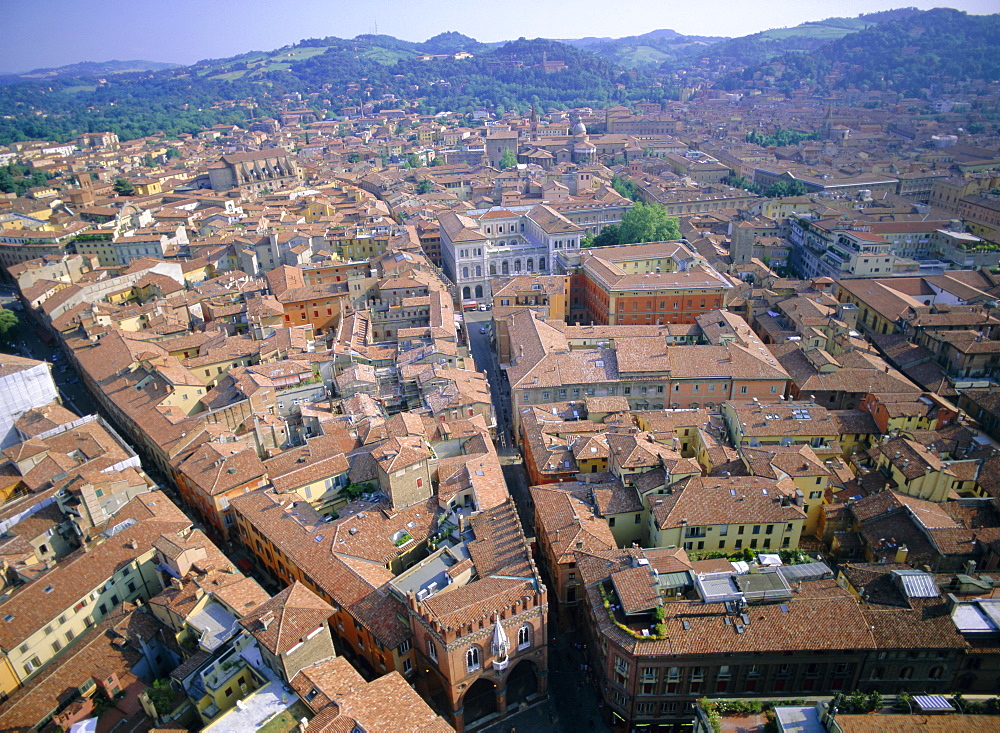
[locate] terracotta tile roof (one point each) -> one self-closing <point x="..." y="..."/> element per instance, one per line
<point x="567" y="520"/>
<point x="219" y="467"/>
<point x="389" y="703"/>
<point x="103" y="647"/>
<point x="636" y="588"/>
<point x="284" y="620"/>
<point x="894" y="723"/>
<point x="327" y="681"/>
<point x="705" y="501"/>
<point x="31" y="606"/>
<point x="821" y="616"/>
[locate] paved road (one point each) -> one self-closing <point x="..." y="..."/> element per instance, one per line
<point x="25" y="342"/>
<point x="486" y="360"/>
<point x="572" y="705"/>
<point x="485" y="355"/>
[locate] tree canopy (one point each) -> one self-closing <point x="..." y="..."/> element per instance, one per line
<point x="8" y="322"/>
<point x="647" y="223"/>
<point x="123" y="187"/>
<point x="508" y="159"/>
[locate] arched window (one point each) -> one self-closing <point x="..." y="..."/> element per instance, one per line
<point x="479" y="270"/>
<point x="906" y="673"/>
<point x="479" y="291"/>
<point x="493" y="268"/>
<point x="472" y="659"/>
<point x="541" y="263"/>
<point x="878" y="673"/>
<point x="465" y="273"/>
<point x="517" y="265"/>
<point x="504" y="268"/>
<point x="466" y="293"/>
<point x="936" y="673"/>
<point x="432" y="650"/>
<point x="530" y="264"/>
<point x="524" y="637"/>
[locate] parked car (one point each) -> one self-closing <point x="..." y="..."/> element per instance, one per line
<point x="482" y="330"/>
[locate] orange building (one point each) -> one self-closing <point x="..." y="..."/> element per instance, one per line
<point x="317" y="305"/>
<point x="648" y="284"/>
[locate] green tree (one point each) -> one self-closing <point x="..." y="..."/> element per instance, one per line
<point x="625" y="187"/>
<point x="607" y="238"/>
<point x="781" y="189"/>
<point x="8" y="322"/>
<point x="414" y="161"/>
<point x="424" y="186"/>
<point x="162" y="695"/>
<point x="123" y="187"/>
<point x="173" y="153"/>
<point x="354" y="158"/>
<point x="647" y="223"/>
<point x="508" y="159"/>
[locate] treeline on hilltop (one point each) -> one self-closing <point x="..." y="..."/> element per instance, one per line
<point x="184" y="100"/>
<point x="910" y="52"/>
<point x="907" y="55"/>
<point x="133" y="106"/>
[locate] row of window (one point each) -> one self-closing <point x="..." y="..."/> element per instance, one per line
<point x="738" y="545"/>
<point x="629" y="390"/>
<point x="473" y="656"/>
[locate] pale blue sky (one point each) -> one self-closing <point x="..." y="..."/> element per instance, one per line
<point x="44" y="33"/>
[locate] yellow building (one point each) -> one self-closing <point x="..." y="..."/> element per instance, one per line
<point x="316" y="471"/>
<point x="228" y="679"/>
<point x="100" y="245"/>
<point x="147" y="186"/>
<point x="360" y="246"/>
<point x="8" y="679"/>
<point x="799" y="463"/>
<point x="48" y="613"/>
<point x="828" y="432"/>
<point x="914" y="470"/>
<point x="728" y="514"/>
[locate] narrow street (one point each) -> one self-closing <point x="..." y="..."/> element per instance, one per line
<point x="485" y="355"/>
<point x="25" y="342"/>
<point x="572" y="703"/>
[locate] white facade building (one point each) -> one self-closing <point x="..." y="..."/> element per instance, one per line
<point x="482" y="244"/>
<point x="24" y="384"/>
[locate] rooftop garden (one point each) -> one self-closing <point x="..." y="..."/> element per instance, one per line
<point x="402" y="538"/>
<point x="287" y="720"/>
<point x="653" y="630"/>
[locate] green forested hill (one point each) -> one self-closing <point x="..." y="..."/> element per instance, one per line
<point x="904" y="51"/>
<point x="905" y="55"/>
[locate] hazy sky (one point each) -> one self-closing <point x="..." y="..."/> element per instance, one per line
<point x="44" y="33"/>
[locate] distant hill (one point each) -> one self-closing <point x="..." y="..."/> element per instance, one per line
<point x="648" y="48"/>
<point x="908" y="53"/>
<point x="762" y="47"/>
<point x="904" y="51"/>
<point x="91" y="68"/>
